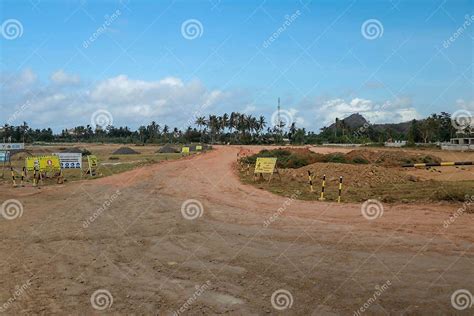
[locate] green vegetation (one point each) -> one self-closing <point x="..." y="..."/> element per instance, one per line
<point x="238" y="128"/>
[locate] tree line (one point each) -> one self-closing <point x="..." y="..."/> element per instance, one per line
<point x="239" y="128"/>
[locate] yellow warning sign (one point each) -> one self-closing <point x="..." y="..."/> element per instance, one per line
<point x="265" y="165"/>
<point x="43" y="163"/>
<point x="49" y="163"/>
<point x="31" y="163"/>
<point x="198" y="147"/>
<point x="185" y="150"/>
<point x="92" y="161"/>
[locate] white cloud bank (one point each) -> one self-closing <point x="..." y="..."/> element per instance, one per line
<point x="66" y="101"/>
<point x="131" y="102"/>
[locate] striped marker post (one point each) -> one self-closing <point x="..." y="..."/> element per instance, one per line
<point x="310" y="179"/>
<point x="13" y="177"/>
<point x="340" y="190"/>
<point x="321" y="198"/>
<point x="23" y="173"/>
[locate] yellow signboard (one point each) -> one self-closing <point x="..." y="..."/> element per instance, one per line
<point x="92" y="161"/>
<point x="185" y="150"/>
<point x="198" y="147"/>
<point x="43" y="163"/>
<point x="31" y="163"/>
<point x="265" y="165"/>
<point x="49" y="163"/>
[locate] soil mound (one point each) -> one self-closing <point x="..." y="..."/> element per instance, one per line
<point x="72" y="150"/>
<point x="167" y="149"/>
<point x="389" y="158"/>
<point x="125" y="151"/>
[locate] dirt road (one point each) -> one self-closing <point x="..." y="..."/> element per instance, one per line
<point x="126" y="235"/>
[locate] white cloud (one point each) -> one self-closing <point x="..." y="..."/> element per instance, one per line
<point x="18" y="81"/>
<point x="62" y="78"/>
<point x="131" y="102"/>
<point x="465" y="105"/>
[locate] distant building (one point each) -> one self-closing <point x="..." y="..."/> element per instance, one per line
<point x="397" y="143"/>
<point x="459" y="144"/>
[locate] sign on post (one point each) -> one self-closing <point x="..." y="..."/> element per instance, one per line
<point x="198" y="147"/>
<point x="12" y="146"/>
<point x="49" y="163"/>
<point x="92" y="162"/>
<point x="70" y="160"/>
<point x="43" y="163"/>
<point x="185" y="150"/>
<point x="265" y="165"/>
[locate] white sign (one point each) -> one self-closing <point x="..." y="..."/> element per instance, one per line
<point x="12" y="146"/>
<point x="4" y="156"/>
<point x="70" y="160"/>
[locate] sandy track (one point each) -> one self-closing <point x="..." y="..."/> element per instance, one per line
<point x="150" y="258"/>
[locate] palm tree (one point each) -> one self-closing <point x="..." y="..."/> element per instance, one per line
<point x="200" y="121"/>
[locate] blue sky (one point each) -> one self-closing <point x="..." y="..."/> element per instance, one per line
<point x="143" y="68"/>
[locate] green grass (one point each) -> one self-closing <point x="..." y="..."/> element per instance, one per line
<point x="410" y="192"/>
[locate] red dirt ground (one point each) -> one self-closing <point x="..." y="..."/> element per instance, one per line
<point x="141" y="249"/>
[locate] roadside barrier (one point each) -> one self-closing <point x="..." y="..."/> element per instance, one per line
<point x="439" y="164"/>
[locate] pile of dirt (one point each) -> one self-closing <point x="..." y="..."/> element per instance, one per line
<point x="125" y="151"/>
<point x="72" y="150"/>
<point x="168" y="149"/>
<point x="300" y="157"/>
<point x="389" y="158"/>
<point x="353" y="175"/>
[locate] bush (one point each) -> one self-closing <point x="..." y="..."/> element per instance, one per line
<point x="360" y="160"/>
<point x="336" y="158"/>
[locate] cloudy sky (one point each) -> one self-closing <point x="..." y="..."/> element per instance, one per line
<point x="62" y="62"/>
